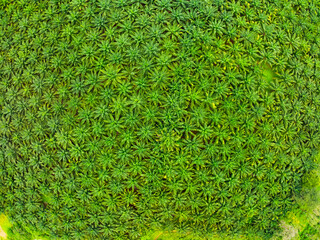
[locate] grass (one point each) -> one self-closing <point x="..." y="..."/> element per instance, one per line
<point x="4" y="226"/>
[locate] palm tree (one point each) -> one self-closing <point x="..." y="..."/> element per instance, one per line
<point x="220" y="177"/>
<point x="124" y="154"/>
<point x="89" y="163"/>
<point x="77" y="151"/>
<point x="174" y="186"/>
<point x="134" y="233"/>
<point x="58" y="172"/>
<point x="245" y="169"/>
<point x="234" y="183"/>
<point x="191" y="188"/>
<point x="185" y="173"/>
<point x="163" y="200"/>
<point x="116" y="186"/>
<point x="94" y="219"/>
<point x="83" y="195"/>
<point x="78" y="234"/>
<point x="274" y="188"/>
<point x="227" y="221"/>
<point x="78" y="219"/>
<point x="107" y="230"/>
<point x="114" y="123"/>
<point x="68" y="198"/>
<point x="86" y="180"/>
<point x="247" y="185"/>
<point x="101" y="112"/>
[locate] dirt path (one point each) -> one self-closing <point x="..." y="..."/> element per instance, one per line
<point x="158" y="236"/>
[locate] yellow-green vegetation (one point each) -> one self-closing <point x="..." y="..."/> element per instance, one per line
<point x="5" y="223"/>
<point x="4" y="226"/>
<point x="303" y="222"/>
<point x="174" y="235"/>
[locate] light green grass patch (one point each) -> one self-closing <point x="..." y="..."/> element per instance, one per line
<point x="4" y="226"/>
<point x="5" y="223"/>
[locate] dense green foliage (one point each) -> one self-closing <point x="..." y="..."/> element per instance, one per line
<point x="121" y="116"/>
